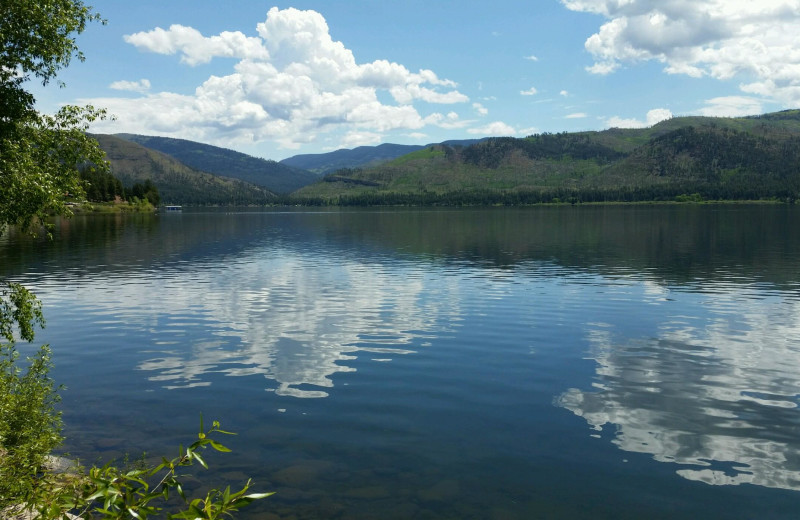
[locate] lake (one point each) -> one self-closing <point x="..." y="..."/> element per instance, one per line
<point x="549" y="362"/>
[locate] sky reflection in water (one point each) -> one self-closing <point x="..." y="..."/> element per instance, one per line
<point x="715" y="391"/>
<point x="298" y="320"/>
<point x="445" y="337"/>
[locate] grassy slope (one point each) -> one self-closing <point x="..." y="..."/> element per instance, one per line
<point x="176" y="182"/>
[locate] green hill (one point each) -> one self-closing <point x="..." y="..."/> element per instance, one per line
<point x="176" y="182"/>
<point x="715" y="158"/>
<point x="323" y="163"/>
<point x="360" y="157"/>
<point x="274" y="176"/>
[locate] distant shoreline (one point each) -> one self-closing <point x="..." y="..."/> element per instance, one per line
<point x="110" y="207"/>
<point x="117" y="208"/>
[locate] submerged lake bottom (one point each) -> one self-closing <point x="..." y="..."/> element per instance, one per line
<point x="550" y="362"/>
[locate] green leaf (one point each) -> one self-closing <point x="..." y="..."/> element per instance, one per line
<point x="199" y="459"/>
<point x="259" y="496"/>
<point x="219" y="447"/>
<point x="199" y="443"/>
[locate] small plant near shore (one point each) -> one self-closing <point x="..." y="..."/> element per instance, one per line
<point x="112" y="493"/>
<point x="30" y="426"/>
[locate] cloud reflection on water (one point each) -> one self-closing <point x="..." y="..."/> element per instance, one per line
<point x="718" y="396"/>
<point x="297" y="322"/>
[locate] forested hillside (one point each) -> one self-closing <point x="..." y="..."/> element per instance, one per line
<point x="102" y="186"/>
<point x="687" y="157"/>
<point x="177" y="183"/>
<point x="324" y="163"/>
<point x="276" y="177"/>
<point x="360" y="157"/>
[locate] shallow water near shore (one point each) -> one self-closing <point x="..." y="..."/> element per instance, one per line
<point x="551" y="362"/>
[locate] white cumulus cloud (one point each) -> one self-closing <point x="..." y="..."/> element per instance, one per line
<point x="530" y="92"/>
<point x="576" y="115"/>
<point x="652" y="117"/>
<point x="657" y="115"/>
<point x="494" y="129"/>
<point x="721" y="39"/>
<point x="143" y="85"/>
<point x="196" y="48"/>
<point x="450" y="121"/>
<point x="731" y="106"/>
<point x="288" y="83"/>
<point x="356" y="138"/>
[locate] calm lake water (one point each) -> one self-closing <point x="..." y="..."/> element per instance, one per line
<point x="553" y="362"/>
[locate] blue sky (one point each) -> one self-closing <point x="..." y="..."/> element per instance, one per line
<point x="278" y="79"/>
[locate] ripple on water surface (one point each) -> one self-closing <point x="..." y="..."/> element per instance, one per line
<point x="406" y="365"/>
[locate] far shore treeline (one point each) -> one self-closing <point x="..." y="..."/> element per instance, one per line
<point x="683" y="159"/>
<point x="101" y="186"/>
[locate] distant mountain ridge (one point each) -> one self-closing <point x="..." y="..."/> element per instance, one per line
<point x="360" y="157"/>
<point x="189" y="172"/>
<point x="177" y="183"/>
<point x="322" y="163"/>
<point x="682" y="158"/>
<point x="276" y="177"/>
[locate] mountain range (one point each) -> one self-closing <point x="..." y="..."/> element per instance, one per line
<point x="362" y="156"/>
<point x="683" y="157"/>
<point x="276" y="177"/>
<point x="177" y="183"/>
